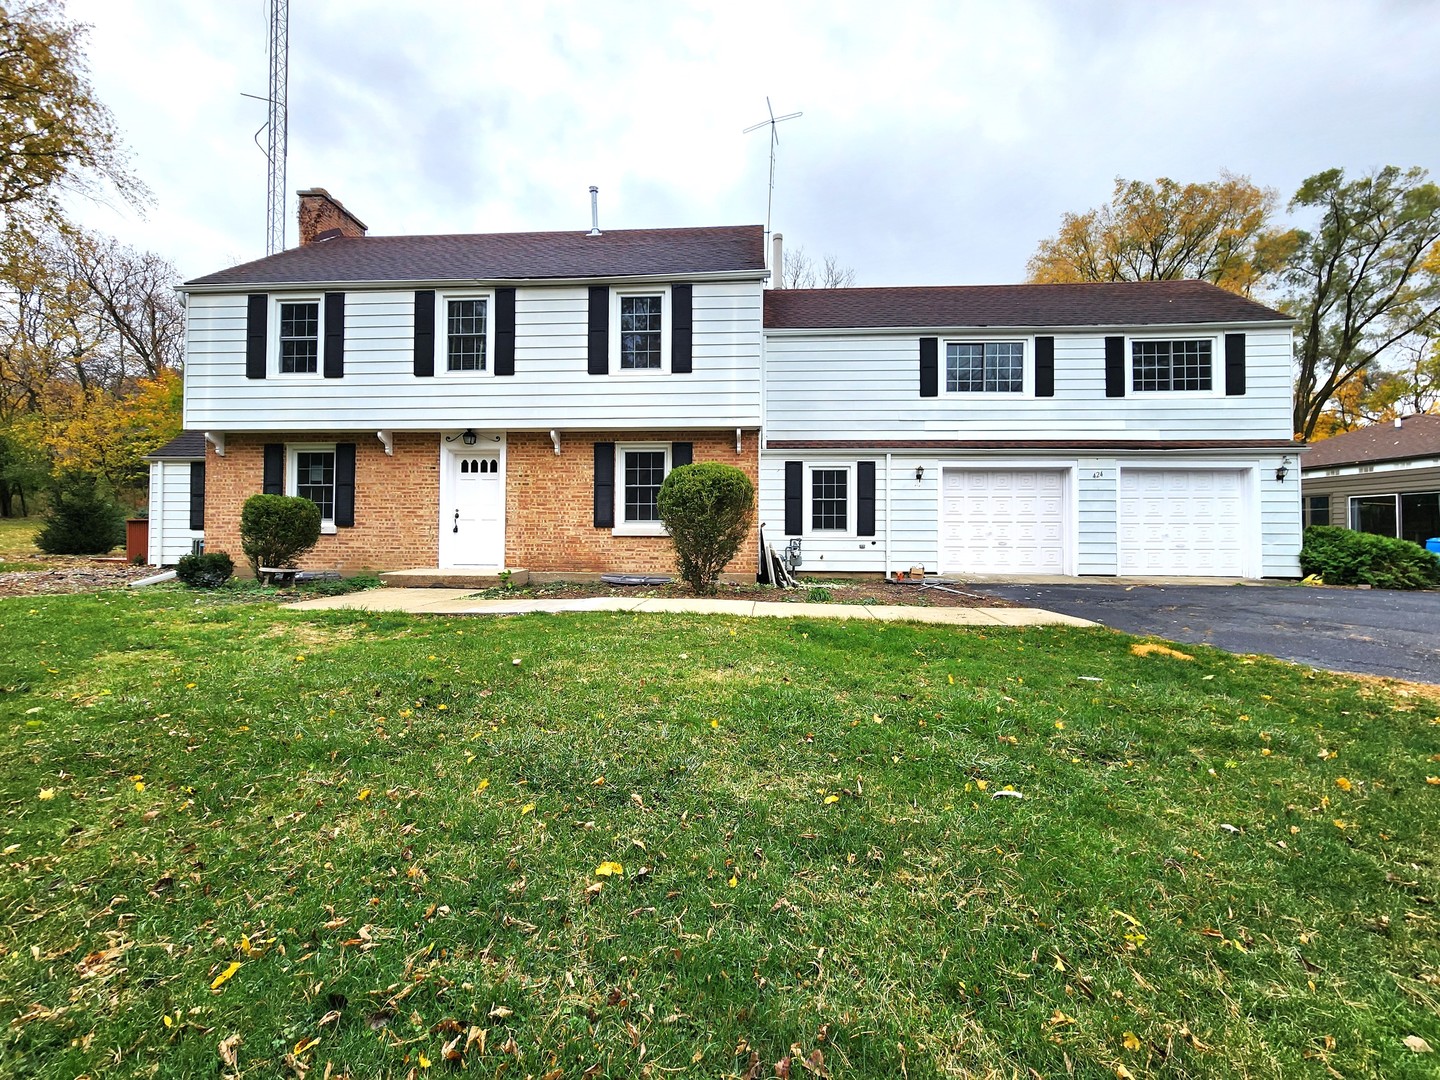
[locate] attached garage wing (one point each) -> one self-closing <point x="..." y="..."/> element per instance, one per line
<point x="1003" y="521"/>
<point x="1182" y="522"/>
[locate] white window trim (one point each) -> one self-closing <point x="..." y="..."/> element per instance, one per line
<point x="662" y="291"/>
<point x="442" y="333"/>
<point x="851" y="497"/>
<point x="1217" y="367"/>
<point x="292" y="474"/>
<point x="635" y="528"/>
<point x="274" y="348"/>
<point x="1027" y="368"/>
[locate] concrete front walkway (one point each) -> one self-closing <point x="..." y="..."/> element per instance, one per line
<point x="462" y="602"/>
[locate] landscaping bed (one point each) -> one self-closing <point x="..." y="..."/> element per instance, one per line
<point x="809" y="591"/>
<point x="246" y="841"/>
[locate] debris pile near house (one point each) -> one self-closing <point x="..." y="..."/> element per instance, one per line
<point x="69" y="576"/>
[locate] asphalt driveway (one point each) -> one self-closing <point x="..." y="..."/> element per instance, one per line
<point x="1372" y="631"/>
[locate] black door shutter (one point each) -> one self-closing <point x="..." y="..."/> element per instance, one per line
<point x="504" y="331"/>
<point x="929" y="367"/>
<point x="334" y="335"/>
<point x="274" y="483"/>
<point x="794" y="498"/>
<point x="599" y="352"/>
<point x="1114" y="367"/>
<point x="1234" y="365"/>
<point x="1044" y="367"/>
<point x="197" y="495"/>
<point x="604" y="485"/>
<point x="344" y="485"/>
<point x="681" y="453"/>
<point x="424" y="332"/>
<point x="682" y="324"/>
<point x="865" y="498"/>
<point x="255" y="335"/>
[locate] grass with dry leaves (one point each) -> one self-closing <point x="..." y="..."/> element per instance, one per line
<point x="243" y="841"/>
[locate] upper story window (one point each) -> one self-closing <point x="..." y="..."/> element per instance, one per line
<point x="641" y="332"/>
<point x="1171" y="365"/>
<point x="984" y="367"/>
<point x="465" y="334"/>
<point x="299" y="337"/>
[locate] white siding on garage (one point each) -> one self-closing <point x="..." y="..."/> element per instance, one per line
<point x="170" y="532"/>
<point x="550" y="387"/>
<point x="866" y="385"/>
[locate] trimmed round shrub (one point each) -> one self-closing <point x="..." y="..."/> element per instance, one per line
<point x="209" y="570"/>
<point x="707" y="508"/>
<point x="275" y="530"/>
<point x="83" y="517"/>
<point x="1346" y="557"/>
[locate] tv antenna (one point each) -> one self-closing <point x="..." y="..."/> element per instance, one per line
<point x="277" y="123"/>
<point x="774" y="142"/>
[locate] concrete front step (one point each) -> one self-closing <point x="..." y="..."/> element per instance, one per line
<point x="435" y="578"/>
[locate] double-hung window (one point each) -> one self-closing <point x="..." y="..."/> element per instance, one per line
<point x="984" y="367"/>
<point x="641" y="468"/>
<point x="465" y="334"/>
<point x="641" y="336"/>
<point x="311" y="475"/>
<point x="299" y="337"/>
<point x="830" y="500"/>
<point x="1169" y="366"/>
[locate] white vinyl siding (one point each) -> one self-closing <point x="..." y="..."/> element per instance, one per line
<point x="550" y="387"/>
<point x="867" y="385"/>
<point x="170" y="534"/>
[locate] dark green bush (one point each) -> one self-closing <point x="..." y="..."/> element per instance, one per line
<point x="707" y="508"/>
<point x="83" y="517"/>
<point x="207" y="571"/>
<point x="1345" y="557"/>
<point x="275" y="530"/>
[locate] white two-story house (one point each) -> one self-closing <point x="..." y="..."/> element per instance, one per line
<point x="515" y="400"/>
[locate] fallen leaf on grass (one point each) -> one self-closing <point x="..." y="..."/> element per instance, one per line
<point x="228" y="1050"/>
<point x="46" y="794"/>
<point x="1154" y="648"/>
<point x="609" y="869"/>
<point x="224" y="976"/>
<point x="1343" y="784"/>
<point x="1131" y="1041"/>
<point x="1416" y="1045"/>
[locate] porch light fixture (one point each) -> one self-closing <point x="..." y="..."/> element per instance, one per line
<point x="469" y="438"/>
<point x="919" y="473"/>
<point x="1283" y="471"/>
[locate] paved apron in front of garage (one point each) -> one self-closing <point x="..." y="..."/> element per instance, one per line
<point x="1371" y="631"/>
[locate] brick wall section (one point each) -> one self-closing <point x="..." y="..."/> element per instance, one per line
<point x="550" y="502"/>
<point x="319" y="211"/>
<point x="397" y="503"/>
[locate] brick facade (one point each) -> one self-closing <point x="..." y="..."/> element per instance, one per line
<point x="320" y="212"/>
<point x="549" y="501"/>
<point x="397" y="500"/>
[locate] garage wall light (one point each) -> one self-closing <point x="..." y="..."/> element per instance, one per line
<point x="1283" y="471"/>
<point x="919" y="473"/>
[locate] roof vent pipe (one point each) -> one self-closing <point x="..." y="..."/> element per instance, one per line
<point x="594" y="211"/>
<point x="777" y="261"/>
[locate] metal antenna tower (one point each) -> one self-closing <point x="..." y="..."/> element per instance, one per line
<point x="277" y="124"/>
<point x="774" y="143"/>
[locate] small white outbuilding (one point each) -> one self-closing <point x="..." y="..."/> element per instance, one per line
<point x="177" y="498"/>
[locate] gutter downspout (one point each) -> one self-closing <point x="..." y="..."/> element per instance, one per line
<point x="888" y="507"/>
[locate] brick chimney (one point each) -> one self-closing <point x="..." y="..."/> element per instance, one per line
<point x="323" y="216"/>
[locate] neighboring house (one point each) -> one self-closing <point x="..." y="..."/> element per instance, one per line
<point x="515" y="400"/>
<point x="1383" y="479"/>
<point x="177" y="498"/>
<point x="1132" y="429"/>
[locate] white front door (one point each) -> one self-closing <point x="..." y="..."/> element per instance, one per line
<point x="1182" y="521"/>
<point x="472" y="514"/>
<point x="1003" y="521"/>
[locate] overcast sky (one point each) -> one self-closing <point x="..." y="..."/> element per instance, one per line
<point x="939" y="142"/>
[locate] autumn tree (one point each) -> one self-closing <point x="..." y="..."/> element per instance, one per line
<point x="1365" y="280"/>
<point x="1221" y="232"/>
<point x="802" y="272"/>
<point x="56" y="134"/>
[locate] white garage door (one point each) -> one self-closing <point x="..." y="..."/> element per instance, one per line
<point x="1002" y="521"/>
<point x="1186" y="522"/>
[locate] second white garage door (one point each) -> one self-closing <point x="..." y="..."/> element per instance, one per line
<point x="1003" y="521"/>
<point x="1182" y="522"/>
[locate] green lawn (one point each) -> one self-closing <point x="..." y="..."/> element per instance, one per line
<point x="17" y="542"/>
<point x="387" y="830"/>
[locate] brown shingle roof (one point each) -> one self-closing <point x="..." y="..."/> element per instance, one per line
<point x="187" y="446"/>
<point x="505" y="257"/>
<point x="1417" y="436"/>
<point x="1127" y="303"/>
